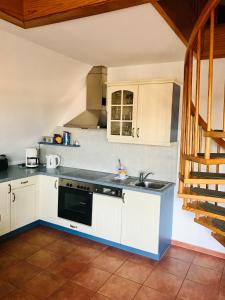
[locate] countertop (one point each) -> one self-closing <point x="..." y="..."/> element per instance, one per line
<point x="101" y="178"/>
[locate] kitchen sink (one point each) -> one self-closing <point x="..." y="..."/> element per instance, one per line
<point x="151" y="185"/>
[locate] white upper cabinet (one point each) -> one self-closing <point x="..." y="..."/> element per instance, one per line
<point x="143" y="112"/>
<point x="4" y="208"/>
<point x="122" y="113"/>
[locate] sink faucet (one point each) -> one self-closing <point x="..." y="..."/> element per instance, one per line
<point x="142" y="176"/>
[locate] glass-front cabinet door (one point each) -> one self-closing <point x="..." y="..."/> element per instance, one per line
<point x="122" y="112"/>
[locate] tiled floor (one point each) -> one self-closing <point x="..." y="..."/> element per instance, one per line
<point x="47" y="264"/>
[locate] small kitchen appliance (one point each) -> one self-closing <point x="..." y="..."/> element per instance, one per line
<point x="3" y="162"/>
<point x="32" y="159"/>
<point x="52" y="161"/>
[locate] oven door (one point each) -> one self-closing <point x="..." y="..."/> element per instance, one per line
<point x="75" y="205"/>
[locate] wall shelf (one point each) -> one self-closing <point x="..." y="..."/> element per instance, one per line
<point x="58" y="145"/>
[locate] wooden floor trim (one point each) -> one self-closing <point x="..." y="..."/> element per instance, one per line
<point x="198" y="249"/>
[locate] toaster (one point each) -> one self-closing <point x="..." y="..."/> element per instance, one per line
<point x="3" y="162"/>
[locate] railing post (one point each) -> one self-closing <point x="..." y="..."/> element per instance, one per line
<point x="210" y="83"/>
<point x="183" y="126"/>
<point x="189" y="101"/>
<point x="197" y="94"/>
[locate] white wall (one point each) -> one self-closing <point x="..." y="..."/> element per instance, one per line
<point x="38" y="90"/>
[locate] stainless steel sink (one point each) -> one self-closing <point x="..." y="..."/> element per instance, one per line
<point x="151" y="185"/>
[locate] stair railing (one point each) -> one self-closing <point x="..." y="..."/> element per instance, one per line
<point x="193" y="129"/>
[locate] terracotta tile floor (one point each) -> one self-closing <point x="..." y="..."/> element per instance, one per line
<point x="44" y="263"/>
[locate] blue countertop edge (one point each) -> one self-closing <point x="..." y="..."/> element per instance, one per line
<point x="14" y="173"/>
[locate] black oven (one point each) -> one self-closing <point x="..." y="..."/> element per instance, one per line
<point x="75" y="201"/>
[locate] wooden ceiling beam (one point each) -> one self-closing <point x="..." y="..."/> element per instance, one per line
<point x="169" y="21"/>
<point x="13" y="8"/>
<point x="219" y="42"/>
<point x="180" y="15"/>
<point x="32" y="13"/>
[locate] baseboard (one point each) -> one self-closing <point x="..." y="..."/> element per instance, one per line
<point x="103" y="241"/>
<point x="198" y="249"/>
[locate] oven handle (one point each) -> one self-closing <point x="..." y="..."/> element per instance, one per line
<point x="109" y="195"/>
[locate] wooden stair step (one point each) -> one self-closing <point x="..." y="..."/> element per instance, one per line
<point x="210" y="224"/>
<point x="219" y="238"/>
<point x="215" y="134"/>
<point x="208" y="192"/>
<point x="213" y="155"/>
<point x="205" y="178"/>
<point x="207" y="209"/>
<point x="208" y="175"/>
<point x="215" y="159"/>
<point x="190" y="193"/>
<point x="219" y="224"/>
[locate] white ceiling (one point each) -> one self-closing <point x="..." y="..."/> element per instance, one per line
<point x="136" y="35"/>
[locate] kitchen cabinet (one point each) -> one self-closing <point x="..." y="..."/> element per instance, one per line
<point x="23" y="202"/>
<point x="143" y="112"/>
<point x="107" y="213"/>
<point x="4" y="208"/>
<point x="122" y="112"/>
<point x="48" y="199"/>
<point x="140" y="221"/>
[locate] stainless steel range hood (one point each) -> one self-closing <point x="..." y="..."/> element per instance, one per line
<point x="95" y="113"/>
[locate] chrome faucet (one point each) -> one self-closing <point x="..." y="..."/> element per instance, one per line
<point x="142" y="176"/>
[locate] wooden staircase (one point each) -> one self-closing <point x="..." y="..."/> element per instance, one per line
<point x="202" y="150"/>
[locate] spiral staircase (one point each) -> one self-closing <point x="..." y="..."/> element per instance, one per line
<point x="202" y="150"/>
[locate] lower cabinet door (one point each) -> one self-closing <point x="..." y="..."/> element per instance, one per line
<point x="4" y="208"/>
<point x="48" y="199"/>
<point x="107" y="217"/>
<point x="23" y="206"/>
<point x="140" y="221"/>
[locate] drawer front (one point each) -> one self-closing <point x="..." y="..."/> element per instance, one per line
<point x="19" y="183"/>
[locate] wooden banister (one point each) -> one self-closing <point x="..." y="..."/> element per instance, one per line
<point x="203" y="124"/>
<point x="197" y="95"/>
<point x="210" y="83"/>
<point x="203" y="18"/>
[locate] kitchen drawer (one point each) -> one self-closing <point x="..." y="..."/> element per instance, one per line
<point x="19" y="183"/>
<point x="75" y="226"/>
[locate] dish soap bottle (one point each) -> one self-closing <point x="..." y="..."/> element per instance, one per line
<point x="122" y="171"/>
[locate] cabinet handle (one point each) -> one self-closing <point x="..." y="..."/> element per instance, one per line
<point x="56" y="184"/>
<point x="0" y="218"/>
<point x="138" y="132"/>
<point x="123" y="197"/>
<point x="14" y="197"/>
<point x="10" y="188"/>
<point x="24" y="182"/>
<point x="132" y="132"/>
<point x="72" y="226"/>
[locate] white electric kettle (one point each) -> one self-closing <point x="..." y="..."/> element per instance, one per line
<point x="52" y="161"/>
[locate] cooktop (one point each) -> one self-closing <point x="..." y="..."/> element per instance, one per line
<point x="86" y="174"/>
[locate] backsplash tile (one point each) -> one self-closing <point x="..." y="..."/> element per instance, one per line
<point x="96" y="153"/>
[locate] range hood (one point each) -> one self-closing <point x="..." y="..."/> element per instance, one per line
<point x="95" y="113"/>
